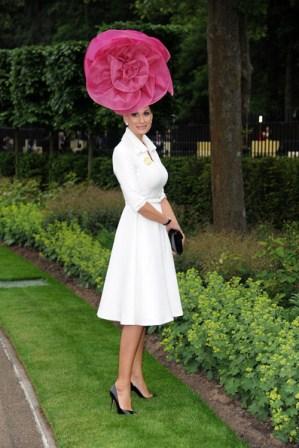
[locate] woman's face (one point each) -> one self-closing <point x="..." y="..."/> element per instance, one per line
<point x="139" y="122"/>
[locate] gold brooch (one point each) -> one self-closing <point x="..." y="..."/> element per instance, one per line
<point x="147" y="160"/>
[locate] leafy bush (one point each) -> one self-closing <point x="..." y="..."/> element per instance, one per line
<point x="20" y="223"/>
<point x="7" y="164"/>
<point x="239" y="336"/>
<point x="281" y="278"/>
<point x="229" y="254"/>
<point x="34" y="166"/>
<point x="78" y="252"/>
<point x="5" y="82"/>
<point x="14" y="191"/>
<point x="93" y="208"/>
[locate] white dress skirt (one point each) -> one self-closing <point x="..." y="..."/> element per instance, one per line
<point x="141" y="285"/>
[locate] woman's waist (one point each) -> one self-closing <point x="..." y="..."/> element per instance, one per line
<point x="154" y="200"/>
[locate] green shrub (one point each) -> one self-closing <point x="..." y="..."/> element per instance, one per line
<point x="230" y="254"/>
<point x="7" y="164"/>
<point x="14" y="191"/>
<point x="33" y="166"/>
<point x="281" y="278"/>
<point x="239" y="336"/>
<point x="61" y="165"/>
<point x="20" y="223"/>
<point x="93" y="208"/>
<point x="78" y="252"/>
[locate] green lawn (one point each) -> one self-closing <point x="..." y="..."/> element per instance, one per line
<point x="16" y="268"/>
<point x="71" y="358"/>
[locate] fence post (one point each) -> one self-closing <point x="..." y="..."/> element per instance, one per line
<point x="17" y="152"/>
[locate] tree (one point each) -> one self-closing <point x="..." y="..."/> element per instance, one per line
<point x="224" y="66"/>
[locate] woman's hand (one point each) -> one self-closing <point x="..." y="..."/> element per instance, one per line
<point x="175" y="225"/>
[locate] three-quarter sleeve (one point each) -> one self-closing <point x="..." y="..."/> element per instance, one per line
<point x="124" y="170"/>
<point x="163" y="195"/>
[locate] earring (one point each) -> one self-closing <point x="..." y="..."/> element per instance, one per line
<point x="126" y="123"/>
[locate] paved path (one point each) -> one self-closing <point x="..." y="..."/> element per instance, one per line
<point x="21" y="422"/>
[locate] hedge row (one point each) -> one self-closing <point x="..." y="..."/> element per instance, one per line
<point x="271" y="185"/>
<point x="225" y="329"/>
<point x="80" y="254"/>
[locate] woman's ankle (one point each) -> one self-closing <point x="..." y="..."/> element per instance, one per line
<point x="121" y="384"/>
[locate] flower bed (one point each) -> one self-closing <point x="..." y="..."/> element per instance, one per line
<point x="238" y="335"/>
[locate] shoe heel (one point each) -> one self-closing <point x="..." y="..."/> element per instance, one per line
<point x="114" y="398"/>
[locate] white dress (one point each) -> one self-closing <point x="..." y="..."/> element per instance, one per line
<point x="140" y="286"/>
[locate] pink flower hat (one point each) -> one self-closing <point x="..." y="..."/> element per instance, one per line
<point x="126" y="70"/>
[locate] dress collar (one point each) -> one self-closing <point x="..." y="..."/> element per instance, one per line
<point x="136" y="143"/>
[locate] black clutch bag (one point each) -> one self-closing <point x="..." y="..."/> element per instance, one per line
<point x="176" y="241"/>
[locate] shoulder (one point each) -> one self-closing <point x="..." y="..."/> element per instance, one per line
<point x="122" y="155"/>
<point x="120" y="150"/>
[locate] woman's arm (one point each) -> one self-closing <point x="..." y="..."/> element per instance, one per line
<point x="149" y="212"/>
<point x="167" y="210"/>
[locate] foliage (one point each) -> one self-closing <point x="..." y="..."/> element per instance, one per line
<point x="60" y="167"/>
<point x="271" y="185"/>
<point x="20" y="223"/>
<point x="281" y="278"/>
<point x="230" y="254"/>
<point x="271" y="190"/>
<point x="58" y="21"/>
<point x="93" y="208"/>
<point x="34" y="166"/>
<point x="7" y="161"/>
<point x="226" y="331"/>
<point x="5" y="98"/>
<point x="226" y="326"/>
<point x="14" y="191"/>
<point x="70" y="106"/>
<point x="29" y="92"/>
<point x="80" y="255"/>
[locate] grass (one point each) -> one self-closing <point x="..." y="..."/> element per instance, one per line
<point x="16" y="268"/>
<point x="71" y="358"/>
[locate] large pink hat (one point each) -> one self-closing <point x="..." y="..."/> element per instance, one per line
<point x="126" y="70"/>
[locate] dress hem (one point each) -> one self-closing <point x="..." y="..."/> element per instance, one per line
<point x="139" y="323"/>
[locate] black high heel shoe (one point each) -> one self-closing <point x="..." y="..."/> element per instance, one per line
<point x="114" y="398"/>
<point x="139" y="393"/>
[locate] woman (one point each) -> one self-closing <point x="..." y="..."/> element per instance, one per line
<point x="126" y="71"/>
<point x="141" y="267"/>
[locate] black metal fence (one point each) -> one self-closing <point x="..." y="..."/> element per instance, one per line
<point x="260" y="140"/>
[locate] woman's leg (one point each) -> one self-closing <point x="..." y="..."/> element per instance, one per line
<point x="129" y="342"/>
<point x="137" y="373"/>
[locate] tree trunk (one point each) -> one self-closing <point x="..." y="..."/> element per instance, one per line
<point x="288" y="87"/>
<point x="246" y="74"/>
<point x="224" y="64"/>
